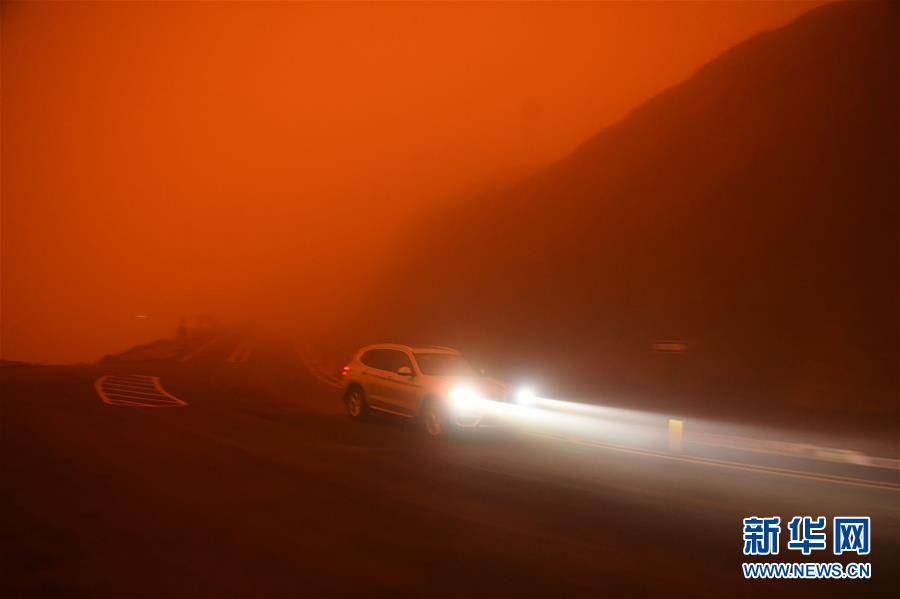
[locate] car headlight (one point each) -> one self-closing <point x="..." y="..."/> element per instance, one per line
<point x="464" y="398"/>
<point x="524" y="396"/>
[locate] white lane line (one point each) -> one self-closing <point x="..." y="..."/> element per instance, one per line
<point x="137" y="398"/>
<point x="787" y="448"/>
<point x="242" y="350"/>
<point x="120" y="393"/>
<point x="249" y="348"/>
<point x="114" y="399"/>
<point x="237" y="351"/>
<point x="203" y="346"/>
<point x="827" y="478"/>
<point x="132" y="378"/>
<point x="166" y="393"/>
<point x="123" y="402"/>
<point x="149" y="389"/>
<point x="137" y="386"/>
<point x="142" y="403"/>
<point x="150" y="395"/>
<point x="319" y="375"/>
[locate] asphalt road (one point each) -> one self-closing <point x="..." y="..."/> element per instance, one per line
<point x="259" y="486"/>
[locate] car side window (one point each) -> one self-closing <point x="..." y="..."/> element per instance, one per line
<point x="399" y="359"/>
<point x="377" y="358"/>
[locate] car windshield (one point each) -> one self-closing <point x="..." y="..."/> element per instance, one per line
<point x="444" y="365"/>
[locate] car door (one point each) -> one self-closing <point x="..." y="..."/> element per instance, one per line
<point x="392" y="391"/>
<point x="375" y="376"/>
<point x="405" y="389"/>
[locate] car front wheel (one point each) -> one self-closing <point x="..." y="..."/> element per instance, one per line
<point x="434" y="420"/>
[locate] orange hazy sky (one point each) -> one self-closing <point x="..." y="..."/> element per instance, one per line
<point x="238" y="159"/>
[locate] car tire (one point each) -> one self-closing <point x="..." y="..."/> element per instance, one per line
<point x="356" y="404"/>
<point x="434" y="420"/>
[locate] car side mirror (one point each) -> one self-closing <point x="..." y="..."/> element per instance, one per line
<point x="405" y="371"/>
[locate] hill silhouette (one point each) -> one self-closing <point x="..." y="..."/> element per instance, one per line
<point x="750" y="212"/>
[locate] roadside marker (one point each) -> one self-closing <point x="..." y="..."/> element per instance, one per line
<point x="676" y="435"/>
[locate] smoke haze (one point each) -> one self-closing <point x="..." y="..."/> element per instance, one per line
<point x="163" y="160"/>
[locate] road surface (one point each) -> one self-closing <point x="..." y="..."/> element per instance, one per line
<point x="259" y="486"/>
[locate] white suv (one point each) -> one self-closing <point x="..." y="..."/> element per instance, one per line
<point x="437" y="385"/>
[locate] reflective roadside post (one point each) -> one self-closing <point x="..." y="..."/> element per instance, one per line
<point x="674" y="348"/>
<point x="676" y="435"/>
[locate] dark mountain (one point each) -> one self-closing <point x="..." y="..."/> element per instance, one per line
<point x="750" y="212"/>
